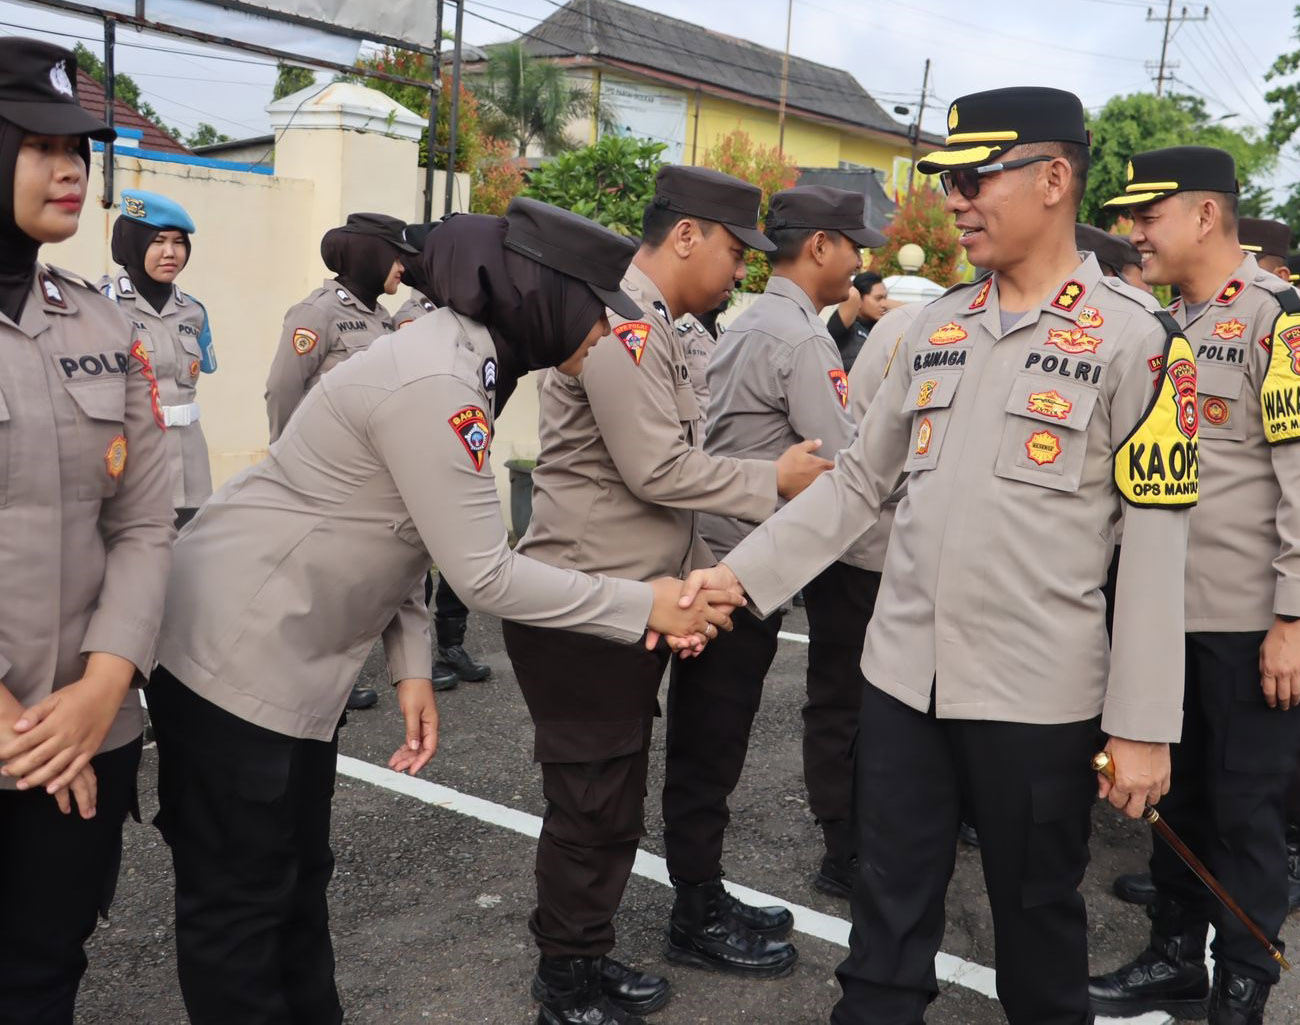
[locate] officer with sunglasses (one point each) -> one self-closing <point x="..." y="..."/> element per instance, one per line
<point x="1021" y="408"/>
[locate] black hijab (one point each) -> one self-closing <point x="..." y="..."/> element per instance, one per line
<point x="413" y="263"/>
<point x="131" y="241"/>
<point x="538" y="317"/>
<point x="17" y="248"/>
<point x="360" y="262"/>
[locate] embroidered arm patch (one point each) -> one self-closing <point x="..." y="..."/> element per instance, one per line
<point x="633" y="335"/>
<point x="1158" y="463"/>
<point x="470" y="425"/>
<point x="840" y="382"/>
<point x="1279" y="396"/>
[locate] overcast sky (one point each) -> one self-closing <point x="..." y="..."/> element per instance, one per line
<point x="1096" y="48"/>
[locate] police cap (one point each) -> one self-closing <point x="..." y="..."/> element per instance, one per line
<point x="1264" y="237"/>
<point x="984" y="125"/>
<point x="156" y="211"/>
<point x="1162" y="172"/>
<point x="38" y="90"/>
<point x="823" y="208"/>
<point x="1113" y="252"/>
<point x="576" y="246"/>
<point x="390" y="229"/>
<point x="713" y="196"/>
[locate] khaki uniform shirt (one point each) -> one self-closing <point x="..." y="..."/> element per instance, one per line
<point x="699" y="347"/>
<point x="172" y="340"/>
<point x="868" y="373"/>
<point x="293" y="569"/>
<point x="621" y="476"/>
<point x="775" y="380"/>
<point x="320" y="332"/>
<point x="414" y="308"/>
<point x="1243" y="564"/>
<point x="991" y="600"/>
<point x="85" y="495"/>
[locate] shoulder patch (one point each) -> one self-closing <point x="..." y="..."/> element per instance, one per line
<point x="634" y="335"/>
<point x="1068" y="297"/>
<point x="840" y="382"/>
<point x="471" y="426"/>
<point x="304" y="340"/>
<point x="489" y="374"/>
<point x="1279" y="395"/>
<point x="1158" y="463"/>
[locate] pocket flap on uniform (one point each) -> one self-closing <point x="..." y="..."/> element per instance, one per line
<point x="570" y="742"/>
<point x="931" y="391"/>
<point x="1225" y="382"/>
<point x="100" y="400"/>
<point x="1064" y="403"/>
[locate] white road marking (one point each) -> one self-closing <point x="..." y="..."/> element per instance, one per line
<point x="808" y="921"/>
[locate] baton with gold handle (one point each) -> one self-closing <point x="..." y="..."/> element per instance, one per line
<point x="1101" y="763"/>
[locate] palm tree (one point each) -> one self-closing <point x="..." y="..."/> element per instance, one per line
<point x="522" y="99"/>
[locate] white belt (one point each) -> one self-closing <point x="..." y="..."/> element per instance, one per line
<point x="181" y="416"/>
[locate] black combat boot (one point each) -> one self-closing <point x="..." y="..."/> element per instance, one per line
<point x="1292" y="868"/>
<point x="839" y="863"/>
<point x="571" y="994"/>
<point x="361" y="696"/>
<point x="1168" y="976"/>
<point x="1237" y="1000"/>
<point x="452" y="656"/>
<point x="707" y="930"/>
<point x="1135" y="888"/>
<point x="625" y="987"/>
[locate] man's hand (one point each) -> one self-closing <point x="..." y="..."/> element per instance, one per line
<point x="420" y="712"/>
<point x="84" y="789"/>
<point x="1279" y="665"/>
<point x="798" y="467"/>
<point x="57" y="737"/>
<point x="715" y="578"/>
<point x="1141" y="775"/>
<point x="691" y="623"/>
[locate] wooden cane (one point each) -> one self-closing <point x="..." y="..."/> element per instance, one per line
<point x="1102" y="764"/>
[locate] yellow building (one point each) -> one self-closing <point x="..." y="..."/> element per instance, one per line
<point x="685" y="86"/>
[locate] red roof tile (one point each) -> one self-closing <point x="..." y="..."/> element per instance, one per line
<point x="91" y="95"/>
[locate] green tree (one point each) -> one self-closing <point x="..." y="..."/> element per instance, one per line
<point x="1131" y="124"/>
<point x="124" y="89"/>
<point x="418" y="66"/>
<point x="205" y="135"/>
<point x="610" y="182"/>
<point x="289" y="78"/>
<point x="498" y="178"/>
<point x="1284" y="122"/>
<point x="921" y="218"/>
<point x="525" y="100"/>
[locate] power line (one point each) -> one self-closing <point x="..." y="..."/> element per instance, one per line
<point x="1169" y="21"/>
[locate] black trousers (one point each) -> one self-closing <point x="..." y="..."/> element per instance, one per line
<point x="712" y="701"/>
<point x="449" y="613"/>
<point x="593" y="703"/>
<point x="246" y="812"/>
<point x="1227" y="798"/>
<point x="1032" y="794"/>
<point x="58" y="873"/>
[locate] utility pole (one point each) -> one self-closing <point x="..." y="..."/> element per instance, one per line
<point x="785" y="80"/>
<point x="916" y="126"/>
<point x="1165" y="66"/>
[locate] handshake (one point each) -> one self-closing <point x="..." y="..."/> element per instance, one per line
<point x="688" y="614"/>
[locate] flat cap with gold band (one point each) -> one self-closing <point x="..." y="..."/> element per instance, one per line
<point x="1264" y="237"/>
<point x="1162" y="172"/>
<point x="982" y="126"/>
<point x="1293" y="265"/>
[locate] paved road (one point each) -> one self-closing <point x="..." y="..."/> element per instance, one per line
<point x="429" y="905"/>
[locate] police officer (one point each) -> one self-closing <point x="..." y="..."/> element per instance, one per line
<point x="1239" y="741"/>
<point x="1021" y="408"/>
<point x="450" y="616"/>
<point x="775" y="379"/>
<point x="343" y="316"/>
<point x="85" y="541"/>
<point x="339" y="320"/>
<point x="618" y="483"/>
<point x="151" y="245"/>
<point x="699" y="344"/>
<point x="1269" y="242"/>
<point x="385" y="466"/>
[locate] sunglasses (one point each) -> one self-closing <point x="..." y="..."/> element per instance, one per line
<point x="968" y="180"/>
